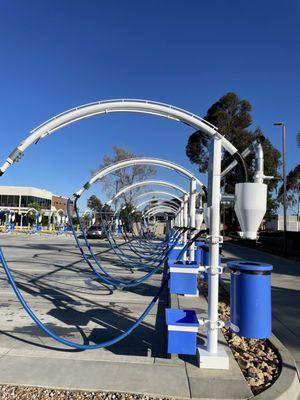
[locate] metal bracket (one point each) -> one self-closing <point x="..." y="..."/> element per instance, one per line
<point x="213" y="325"/>
<point x="214" y="271"/>
<point x="214" y="239"/>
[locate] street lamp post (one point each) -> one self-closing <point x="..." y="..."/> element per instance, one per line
<point x="282" y="124"/>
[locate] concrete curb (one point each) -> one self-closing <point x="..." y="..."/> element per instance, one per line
<point x="287" y="385"/>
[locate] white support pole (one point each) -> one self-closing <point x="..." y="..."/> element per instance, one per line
<point x="185" y="215"/>
<point x="181" y="217"/>
<point x="214" y="179"/>
<point x="192" y="212"/>
<point x="214" y="356"/>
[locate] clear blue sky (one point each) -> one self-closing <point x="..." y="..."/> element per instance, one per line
<point x="63" y="53"/>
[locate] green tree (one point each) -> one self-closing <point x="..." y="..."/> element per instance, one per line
<point x="94" y="203"/>
<point x="117" y="180"/>
<point x="85" y="220"/>
<point x="292" y="190"/>
<point x="128" y="215"/>
<point x="232" y="117"/>
<point x="32" y="214"/>
<point x="35" y="205"/>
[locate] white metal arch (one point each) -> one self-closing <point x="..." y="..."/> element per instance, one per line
<point x="157" y="200"/>
<point x="160" y="211"/>
<point x="161" y="207"/>
<point x="147" y="183"/>
<point x="60" y="211"/>
<point x="161" y="192"/>
<point x="32" y="209"/>
<point x="8" y="210"/>
<point x="8" y="213"/>
<point x="138" y="161"/>
<point x="155" y="212"/>
<point x="37" y="214"/>
<point x="110" y="106"/>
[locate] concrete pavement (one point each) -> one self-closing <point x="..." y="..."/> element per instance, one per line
<point x="61" y="290"/>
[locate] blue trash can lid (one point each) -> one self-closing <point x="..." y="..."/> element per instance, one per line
<point x="245" y="265"/>
<point x="181" y="317"/>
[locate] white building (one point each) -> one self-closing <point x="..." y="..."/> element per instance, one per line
<point x="276" y="224"/>
<point x="17" y="199"/>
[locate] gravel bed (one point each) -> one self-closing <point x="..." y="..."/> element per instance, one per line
<point x="8" y="392"/>
<point x="258" y="360"/>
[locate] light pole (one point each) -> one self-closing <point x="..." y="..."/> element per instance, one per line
<point x="282" y="124"/>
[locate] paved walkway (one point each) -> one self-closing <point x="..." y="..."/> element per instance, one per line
<point x="59" y="287"/>
<point x="285" y="294"/>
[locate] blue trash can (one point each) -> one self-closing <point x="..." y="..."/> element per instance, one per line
<point x="182" y="331"/>
<point x="250" y="299"/>
<point x="183" y="277"/>
<point x="205" y="257"/>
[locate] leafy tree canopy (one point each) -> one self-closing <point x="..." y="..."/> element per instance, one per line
<point x="292" y="189"/>
<point x="117" y="180"/>
<point x="32" y="215"/>
<point x="35" y="205"/>
<point x="94" y="203"/>
<point x="128" y="215"/>
<point x="232" y="117"/>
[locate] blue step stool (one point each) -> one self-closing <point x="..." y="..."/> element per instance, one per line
<point x="183" y="277"/>
<point x="182" y="331"/>
<point x="174" y="253"/>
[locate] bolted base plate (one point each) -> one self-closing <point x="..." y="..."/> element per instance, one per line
<point x="219" y="360"/>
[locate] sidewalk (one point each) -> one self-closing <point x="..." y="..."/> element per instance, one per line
<point x="285" y="294"/>
<point x="57" y="284"/>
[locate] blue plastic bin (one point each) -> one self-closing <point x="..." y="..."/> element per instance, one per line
<point x="250" y="299"/>
<point x="174" y="253"/>
<point x="182" y="331"/>
<point x="183" y="277"/>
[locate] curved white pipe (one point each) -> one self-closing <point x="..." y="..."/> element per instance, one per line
<point x="32" y="209"/>
<point x="137" y="161"/>
<point x="108" y="106"/>
<point x="10" y="215"/>
<point x="147" y="183"/>
<point x="175" y="210"/>
<point x="155" y="192"/>
<point x="157" y="200"/>
<point x="160" y="211"/>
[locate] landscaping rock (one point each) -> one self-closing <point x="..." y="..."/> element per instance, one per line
<point x="258" y="361"/>
<point x="8" y="392"/>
